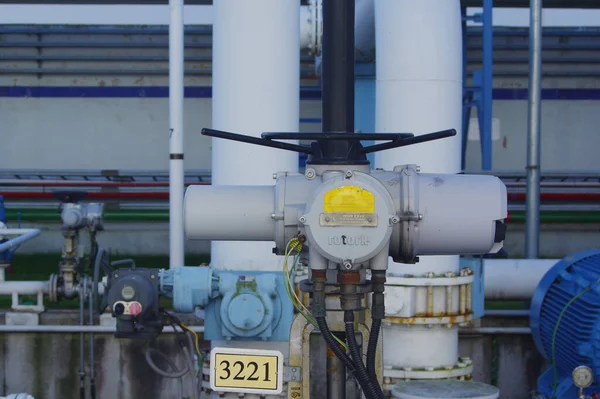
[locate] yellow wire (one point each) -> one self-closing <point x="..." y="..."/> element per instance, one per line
<point x="295" y="244"/>
<point x="197" y="342"/>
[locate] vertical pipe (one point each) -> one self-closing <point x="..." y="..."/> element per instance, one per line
<point x="336" y="376"/>
<point x="488" y="43"/>
<point x="81" y="344"/>
<point x="252" y="98"/>
<point x="417" y="93"/>
<point x="92" y="341"/>
<point x="338" y="66"/>
<point x="176" y="176"/>
<point x="532" y="235"/>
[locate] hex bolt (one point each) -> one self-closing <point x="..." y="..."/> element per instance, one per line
<point x="152" y="276"/>
<point x="430" y="274"/>
<point x="450" y="274"/>
<point x="327" y="219"/>
<point x="309" y="173"/>
<point x="302" y="219"/>
<point x="274" y="176"/>
<point x="395" y="219"/>
<point x="347" y="264"/>
<point x="369" y="219"/>
<point x="349" y="173"/>
<point x="116" y="275"/>
<point x="418" y="169"/>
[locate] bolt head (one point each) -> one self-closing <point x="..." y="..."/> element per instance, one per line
<point x="302" y="219"/>
<point x="309" y="173"/>
<point x="152" y="276"/>
<point x="347" y="264"/>
<point x="349" y="173"/>
<point x="395" y="219"/>
<point x="418" y="169"/>
<point x="450" y="274"/>
<point x="430" y="274"/>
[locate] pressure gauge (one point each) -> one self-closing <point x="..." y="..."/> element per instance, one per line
<point x="583" y="377"/>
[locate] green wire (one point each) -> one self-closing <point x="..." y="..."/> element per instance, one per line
<point x="560" y="316"/>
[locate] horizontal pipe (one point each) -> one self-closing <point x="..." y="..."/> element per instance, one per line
<point x="495" y="331"/>
<point x="139" y="195"/>
<point x="75" y="183"/>
<point x="158" y="215"/>
<point x="75" y="329"/>
<point x="514" y="279"/>
<point x="23" y="287"/>
<point x="27" y="234"/>
<point x="507" y="313"/>
<point x="307" y="74"/>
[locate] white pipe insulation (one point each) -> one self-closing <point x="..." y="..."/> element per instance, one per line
<point x="419" y="90"/>
<point x="176" y="172"/>
<point x="251" y="98"/>
<point x="514" y="279"/>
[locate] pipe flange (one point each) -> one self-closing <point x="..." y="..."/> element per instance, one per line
<point x="462" y="370"/>
<point x="53" y="288"/>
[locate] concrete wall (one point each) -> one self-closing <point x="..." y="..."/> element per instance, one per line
<point x="47" y="365"/>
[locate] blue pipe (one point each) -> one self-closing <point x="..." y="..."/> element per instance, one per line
<point x="488" y="74"/>
<point x="10" y="244"/>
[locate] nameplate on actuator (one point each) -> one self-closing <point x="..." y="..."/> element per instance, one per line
<point x="340" y="219"/>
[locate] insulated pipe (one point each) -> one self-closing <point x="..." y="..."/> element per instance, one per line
<point x="76" y="329"/>
<point x="514" y="279"/>
<point x="252" y="98"/>
<point x="24" y="287"/>
<point x="532" y="234"/>
<point x="176" y="174"/>
<point x="247" y="217"/>
<point x="24" y="235"/>
<point x="419" y="90"/>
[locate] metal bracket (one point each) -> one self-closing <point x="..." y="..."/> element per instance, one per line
<point x="292" y="374"/>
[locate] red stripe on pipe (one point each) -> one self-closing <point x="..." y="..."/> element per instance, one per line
<point x="93" y="184"/>
<point x="558" y="196"/>
<point x="93" y="195"/>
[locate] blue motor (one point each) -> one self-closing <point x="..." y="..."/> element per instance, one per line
<point x="565" y="323"/>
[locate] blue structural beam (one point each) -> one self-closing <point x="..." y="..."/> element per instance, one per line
<point x="480" y="93"/>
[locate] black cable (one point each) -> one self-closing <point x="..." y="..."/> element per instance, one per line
<point x="372" y="347"/>
<point x="350" y="365"/>
<point x="371" y="385"/>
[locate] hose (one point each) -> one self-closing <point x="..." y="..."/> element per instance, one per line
<point x="371" y="386"/>
<point x="176" y="374"/>
<point x="350" y="366"/>
<point x="372" y="347"/>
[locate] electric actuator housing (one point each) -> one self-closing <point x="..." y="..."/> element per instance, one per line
<point x="355" y="217"/>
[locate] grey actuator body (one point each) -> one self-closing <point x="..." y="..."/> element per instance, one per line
<point x="355" y="216"/>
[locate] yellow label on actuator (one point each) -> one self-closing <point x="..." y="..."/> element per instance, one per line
<point x="349" y="199"/>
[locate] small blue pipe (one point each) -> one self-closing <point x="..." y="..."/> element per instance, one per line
<point x="488" y="74"/>
<point x="5" y="246"/>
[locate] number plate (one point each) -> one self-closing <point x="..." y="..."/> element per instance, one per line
<point x="246" y="370"/>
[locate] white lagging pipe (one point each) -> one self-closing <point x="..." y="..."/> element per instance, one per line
<point x="251" y="98"/>
<point x="176" y="135"/>
<point x="23" y="235"/>
<point x="24" y="287"/>
<point x="514" y="279"/>
<point x="419" y="90"/>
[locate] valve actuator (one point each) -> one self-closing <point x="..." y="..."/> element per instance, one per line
<point x="354" y="217"/>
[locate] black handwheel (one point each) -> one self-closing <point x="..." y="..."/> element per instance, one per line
<point x="101" y="263"/>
